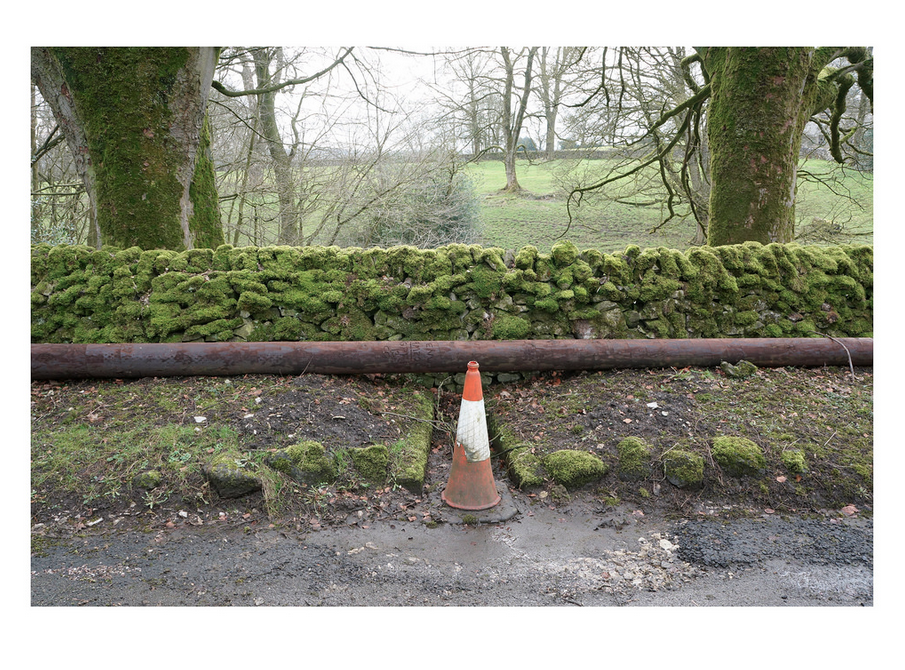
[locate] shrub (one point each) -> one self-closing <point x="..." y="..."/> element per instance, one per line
<point x="441" y="208"/>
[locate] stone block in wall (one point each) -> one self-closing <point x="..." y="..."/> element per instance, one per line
<point x="81" y="294"/>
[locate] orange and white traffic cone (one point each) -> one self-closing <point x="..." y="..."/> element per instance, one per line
<point x="471" y="485"/>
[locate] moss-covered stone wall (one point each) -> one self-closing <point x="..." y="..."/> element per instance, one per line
<point x="457" y="292"/>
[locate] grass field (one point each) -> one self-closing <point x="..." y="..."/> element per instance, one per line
<point x="538" y="216"/>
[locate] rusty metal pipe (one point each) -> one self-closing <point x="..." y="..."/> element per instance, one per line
<point x="66" y="361"/>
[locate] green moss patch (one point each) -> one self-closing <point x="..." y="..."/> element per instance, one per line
<point x="149" y="479"/>
<point x="371" y="462"/>
<point x="683" y="469"/>
<point x="408" y="457"/>
<point x="634" y="459"/>
<point x="306" y="462"/>
<point x="229" y="476"/>
<point x="525" y="468"/>
<point x="739" y="456"/>
<point x="795" y="461"/>
<point x="573" y="468"/>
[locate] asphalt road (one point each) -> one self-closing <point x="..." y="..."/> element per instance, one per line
<point x="539" y="557"/>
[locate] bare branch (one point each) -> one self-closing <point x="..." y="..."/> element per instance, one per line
<point x="217" y="86"/>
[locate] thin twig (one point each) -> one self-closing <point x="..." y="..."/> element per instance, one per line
<point x="434" y="422"/>
<point x="830" y="438"/>
<point x="847" y="353"/>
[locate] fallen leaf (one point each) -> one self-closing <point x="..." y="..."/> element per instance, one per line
<point x="781" y="479"/>
<point x="769" y="511"/>
<point x="849" y="510"/>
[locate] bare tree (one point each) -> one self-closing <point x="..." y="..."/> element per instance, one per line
<point x="270" y="67"/>
<point x="643" y="164"/>
<point x="59" y="204"/>
<point x="514" y="106"/>
<point x="490" y="102"/>
<point x="469" y="98"/>
<point x="324" y="157"/>
<point x="554" y="64"/>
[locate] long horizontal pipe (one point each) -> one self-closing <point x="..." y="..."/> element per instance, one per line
<point x="67" y="361"/>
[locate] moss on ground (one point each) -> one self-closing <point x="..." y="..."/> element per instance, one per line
<point x="738" y="456"/>
<point x="573" y="468"/>
<point x="371" y="462"/>
<point x="634" y="459"/>
<point x="814" y="428"/>
<point x="307" y="462"/>
<point x="408" y="457"/>
<point x="229" y="477"/>
<point x="811" y="430"/>
<point x="795" y="461"/>
<point x="683" y="469"/>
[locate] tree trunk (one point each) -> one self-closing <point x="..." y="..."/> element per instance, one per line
<point x="550" y="90"/>
<point x="761" y="100"/>
<point x="134" y="120"/>
<point x="282" y="160"/>
<point x="512" y="122"/>
<point x="550" y="142"/>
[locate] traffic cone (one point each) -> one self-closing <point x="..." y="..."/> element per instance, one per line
<point x="471" y="485"/>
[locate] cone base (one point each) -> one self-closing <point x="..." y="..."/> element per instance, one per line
<point x="470" y="508"/>
<point x="471" y="486"/>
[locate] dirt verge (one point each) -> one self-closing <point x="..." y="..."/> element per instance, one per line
<point x="90" y="438"/>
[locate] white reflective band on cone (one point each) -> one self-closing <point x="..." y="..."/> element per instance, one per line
<point x="471" y="432"/>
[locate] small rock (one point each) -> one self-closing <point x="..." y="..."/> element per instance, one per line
<point x="229" y="479"/>
<point x="739" y="371"/>
<point x="147" y="480"/>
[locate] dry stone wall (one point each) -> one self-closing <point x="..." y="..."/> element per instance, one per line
<point x="458" y="292"/>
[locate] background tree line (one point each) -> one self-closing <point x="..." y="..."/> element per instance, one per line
<point x="181" y="148"/>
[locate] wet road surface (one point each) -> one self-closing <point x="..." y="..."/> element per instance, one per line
<point x="541" y="557"/>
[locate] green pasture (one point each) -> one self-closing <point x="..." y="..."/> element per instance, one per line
<point x="609" y="222"/>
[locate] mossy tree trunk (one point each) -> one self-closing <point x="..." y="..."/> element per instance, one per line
<point x="134" y="121"/>
<point x="761" y="101"/>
